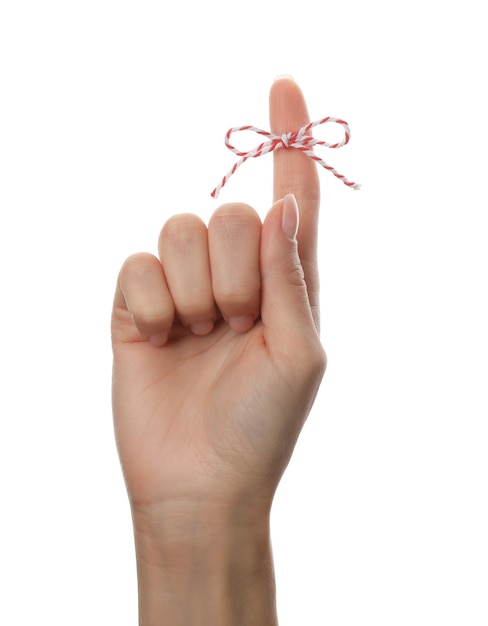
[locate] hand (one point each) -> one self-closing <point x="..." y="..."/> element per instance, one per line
<point x="217" y="357"/>
<point x="217" y="361"/>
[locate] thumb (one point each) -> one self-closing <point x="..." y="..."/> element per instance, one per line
<point x="285" y="307"/>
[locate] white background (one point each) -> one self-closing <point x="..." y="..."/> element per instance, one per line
<point x="112" y="116"/>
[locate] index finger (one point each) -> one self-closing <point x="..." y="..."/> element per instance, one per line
<point x="296" y="173"/>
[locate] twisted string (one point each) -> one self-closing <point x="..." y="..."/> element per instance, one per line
<point x="297" y="140"/>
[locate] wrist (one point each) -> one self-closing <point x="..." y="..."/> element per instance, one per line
<point x="198" y="566"/>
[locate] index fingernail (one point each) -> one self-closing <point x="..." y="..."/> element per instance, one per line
<point x="287" y="76"/>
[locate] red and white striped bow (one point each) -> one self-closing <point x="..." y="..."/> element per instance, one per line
<point x="298" y="140"/>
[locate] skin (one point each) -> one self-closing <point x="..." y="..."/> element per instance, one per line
<point x="217" y="362"/>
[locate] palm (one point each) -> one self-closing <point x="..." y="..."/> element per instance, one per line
<point x="198" y="402"/>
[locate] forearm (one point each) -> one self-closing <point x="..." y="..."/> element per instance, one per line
<point x="200" y="572"/>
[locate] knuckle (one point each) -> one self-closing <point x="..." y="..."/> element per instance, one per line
<point x="182" y="231"/>
<point x="234" y="210"/>
<point x="136" y="265"/>
<point x="151" y="320"/>
<point x="296" y="276"/>
<point x="288" y="268"/>
<point x="234" y="219"/>
<point x="238" y="297"/>
<point x="191" y="312"/>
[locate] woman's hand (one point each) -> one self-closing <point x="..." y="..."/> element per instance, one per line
<point x="217" y="358"/>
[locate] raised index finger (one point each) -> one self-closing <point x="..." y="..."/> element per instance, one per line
<point x="296" y="173"/>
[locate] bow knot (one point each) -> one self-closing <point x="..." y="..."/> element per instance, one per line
<point x="297" y="140"/>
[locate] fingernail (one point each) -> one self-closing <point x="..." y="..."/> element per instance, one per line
<point x="158" y="340"/>
<point x="290" y="216"/>
<point x="241" y="324"/>
<point x="287" y="76"/>
<point x="202" y="328"/>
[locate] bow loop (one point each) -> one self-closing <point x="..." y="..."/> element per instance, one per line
<point x="298" y="140"/>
